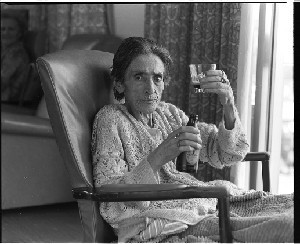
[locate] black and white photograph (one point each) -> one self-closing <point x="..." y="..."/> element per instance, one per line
<point x="147" y="122"/>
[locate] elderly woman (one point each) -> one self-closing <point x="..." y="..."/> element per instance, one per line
<point x="138" y="142"/>
<point x="14" y="59"/>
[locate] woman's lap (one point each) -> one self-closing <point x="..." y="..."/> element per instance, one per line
<point x="269" y="219"/>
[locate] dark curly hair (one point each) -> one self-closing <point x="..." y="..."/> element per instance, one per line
<point x="129" y="49"/>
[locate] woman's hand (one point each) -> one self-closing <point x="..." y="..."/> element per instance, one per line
<point x="215" y="81"/>
<point x="186" y="138"/>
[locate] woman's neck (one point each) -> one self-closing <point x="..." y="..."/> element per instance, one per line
<point x="146" y="119"/>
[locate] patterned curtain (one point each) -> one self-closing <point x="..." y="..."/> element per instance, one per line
<point x="69" y="19"/>
<point x="197" y="33"/>
<point x="62" y="20"/>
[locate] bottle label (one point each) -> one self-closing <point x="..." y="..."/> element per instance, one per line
<point x="192" y="157"/>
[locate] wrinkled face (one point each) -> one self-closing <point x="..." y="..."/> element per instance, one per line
<point x="10" y="31"/>
<point x="143" y="85"/>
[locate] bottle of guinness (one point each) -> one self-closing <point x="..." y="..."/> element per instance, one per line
<point x="188" y="161"/>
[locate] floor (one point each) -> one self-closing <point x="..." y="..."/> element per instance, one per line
<point x="53" y="223"/>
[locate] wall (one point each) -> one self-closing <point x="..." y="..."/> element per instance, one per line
<point x="129" y="19"/>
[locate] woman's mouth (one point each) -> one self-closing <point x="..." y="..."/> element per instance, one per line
<point x="149" y="100"/>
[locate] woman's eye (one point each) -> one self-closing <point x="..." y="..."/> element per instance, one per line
<point x="158" y="78"/>
<point x="138" y="77"/>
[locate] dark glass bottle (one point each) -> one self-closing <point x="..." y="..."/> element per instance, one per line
<point x="182" y="163"/>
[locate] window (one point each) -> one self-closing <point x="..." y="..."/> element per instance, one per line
<point x="286" y="170"/>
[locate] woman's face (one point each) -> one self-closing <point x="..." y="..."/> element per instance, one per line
<point x="10" y="31"/>
<point x="143" y="84"/>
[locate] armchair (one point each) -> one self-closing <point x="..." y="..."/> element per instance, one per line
<point x="31" y="165"/>
<point x="76" y="85"/>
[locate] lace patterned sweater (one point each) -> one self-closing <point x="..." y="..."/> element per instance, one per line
<point x="120" y="146"/>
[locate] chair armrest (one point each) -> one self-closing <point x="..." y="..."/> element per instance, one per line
<point x="148" y="192"/>
<point x="152" y="192"/>
<point x="264" y="157"/>
<point x="25" y="125"/>
<point x="257" y="156"/>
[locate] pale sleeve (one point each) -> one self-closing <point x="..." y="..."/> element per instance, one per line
<point x="222" y="147"/>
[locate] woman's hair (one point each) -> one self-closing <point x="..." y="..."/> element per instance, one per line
<point x="129" y="49"/>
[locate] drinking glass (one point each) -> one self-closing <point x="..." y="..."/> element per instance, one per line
<point x="199" y="71"/>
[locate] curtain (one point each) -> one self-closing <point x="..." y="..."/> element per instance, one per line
<point x="197" y="33"/>
<point x="65" y="20"/>
<point x="62" y="20"/>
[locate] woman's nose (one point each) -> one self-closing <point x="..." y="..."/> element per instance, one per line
<point x="150" y="87"/>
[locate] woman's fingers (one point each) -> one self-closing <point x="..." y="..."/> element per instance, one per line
<point x="192" y="145"/>
<point x="214" y="85"/>
<point x="214" y="73"/>
<point x="190" y="136"/>
<point x="184" y="129"/>
<point x="207" y="79"/>
<point x="189" y="139"/>
<point x="186" y="148"/>
<point x="211" y="76"/>
<point x="186" y="138"/>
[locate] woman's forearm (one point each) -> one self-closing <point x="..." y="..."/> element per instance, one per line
<point x="229" y="115"/>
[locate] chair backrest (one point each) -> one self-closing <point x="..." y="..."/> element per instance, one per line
<point x="103" y="42"/>
<point x="76" y="85"/>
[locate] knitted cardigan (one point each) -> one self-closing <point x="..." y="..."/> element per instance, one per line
<point x="120" y="146"/>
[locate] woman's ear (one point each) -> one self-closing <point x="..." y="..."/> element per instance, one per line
<point x="119" y="87"/>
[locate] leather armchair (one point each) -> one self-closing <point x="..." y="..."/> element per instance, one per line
<point x="32" y="170"/>
<point x="76" y="84"/>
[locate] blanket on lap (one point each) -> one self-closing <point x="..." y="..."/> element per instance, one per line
<point x="255" y="217"/>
